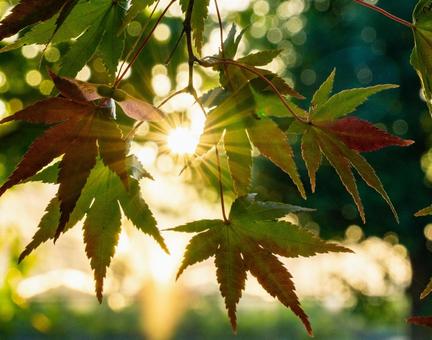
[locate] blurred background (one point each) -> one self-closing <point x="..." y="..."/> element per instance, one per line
<point x="366" y="295"/>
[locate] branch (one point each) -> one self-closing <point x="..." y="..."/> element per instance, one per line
<point x="385" y="13"/>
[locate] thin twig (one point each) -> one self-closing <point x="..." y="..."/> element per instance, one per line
<point x="171" y="55"/>
<point x="143" y="44"/>
<point x="385" y="13"/>
<point x="140" y="36"/>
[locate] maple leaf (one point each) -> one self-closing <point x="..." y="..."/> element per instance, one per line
<point x="96" y="27"/>
<point x="250" y="241"/>
<point x="101" y="37"/>
<point x="421" y="54"/>
<point x="326" y="131"/>
<point x="81" y="129"/>
<point x="80" y="18"/>
<point x="28" y="12"/>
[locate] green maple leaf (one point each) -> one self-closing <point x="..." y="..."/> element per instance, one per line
<point x="101" y="36"/>
<point x="250" y="241"/>
<point x="326" y="131"/>
<point x="96" y="26"/>
<point x="81" y="17"/>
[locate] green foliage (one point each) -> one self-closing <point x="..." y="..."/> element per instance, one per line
<point x="98" y="178"/>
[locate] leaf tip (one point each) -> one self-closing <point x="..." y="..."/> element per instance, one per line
<point x="22" y="256"/>
<point x="233" y="321"/>
<point x="407" y="142"/>
<point x="179" y="272"/>
<point x="424" y="295"/>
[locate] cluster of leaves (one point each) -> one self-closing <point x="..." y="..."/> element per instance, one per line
<point x="97" y="27"/>
<point x="97" y="176"/>
<point x="243" y="116"/>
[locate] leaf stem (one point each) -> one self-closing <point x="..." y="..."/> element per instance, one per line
<point x="224" y="215"/>
<point x="141" y="35"/>
<point x="385" y="13"/>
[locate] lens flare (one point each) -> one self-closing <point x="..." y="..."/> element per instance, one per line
<point x="182" y="141"/>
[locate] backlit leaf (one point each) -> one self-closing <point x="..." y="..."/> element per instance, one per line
<point x="102" y="230"/>
<point x="275" y="279"/>
<point x="231" y="274"/>
<point x="362" y="136"/>
<point x="239" y="153"/>
<point x="343" y="168"/>
<point x="75" y="168"/>
<point x="273" y="144"/>
<point x="260" y="58"/>
<point x="347" y="101"/>
<point x="312" y="155"/>
<point x="323" y="93"/>
<point x="341" y="140"/>
<point x="246" y="243"/>
<point x="28" y="12"/>
<point x="112" y="44"/>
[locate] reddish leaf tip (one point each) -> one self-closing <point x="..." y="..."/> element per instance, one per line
<point x="362" y="136"/>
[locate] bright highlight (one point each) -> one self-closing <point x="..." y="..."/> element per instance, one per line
<point x="182" y="141"/>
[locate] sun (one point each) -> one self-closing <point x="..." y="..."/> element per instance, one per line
<point x="182" y="141"/>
